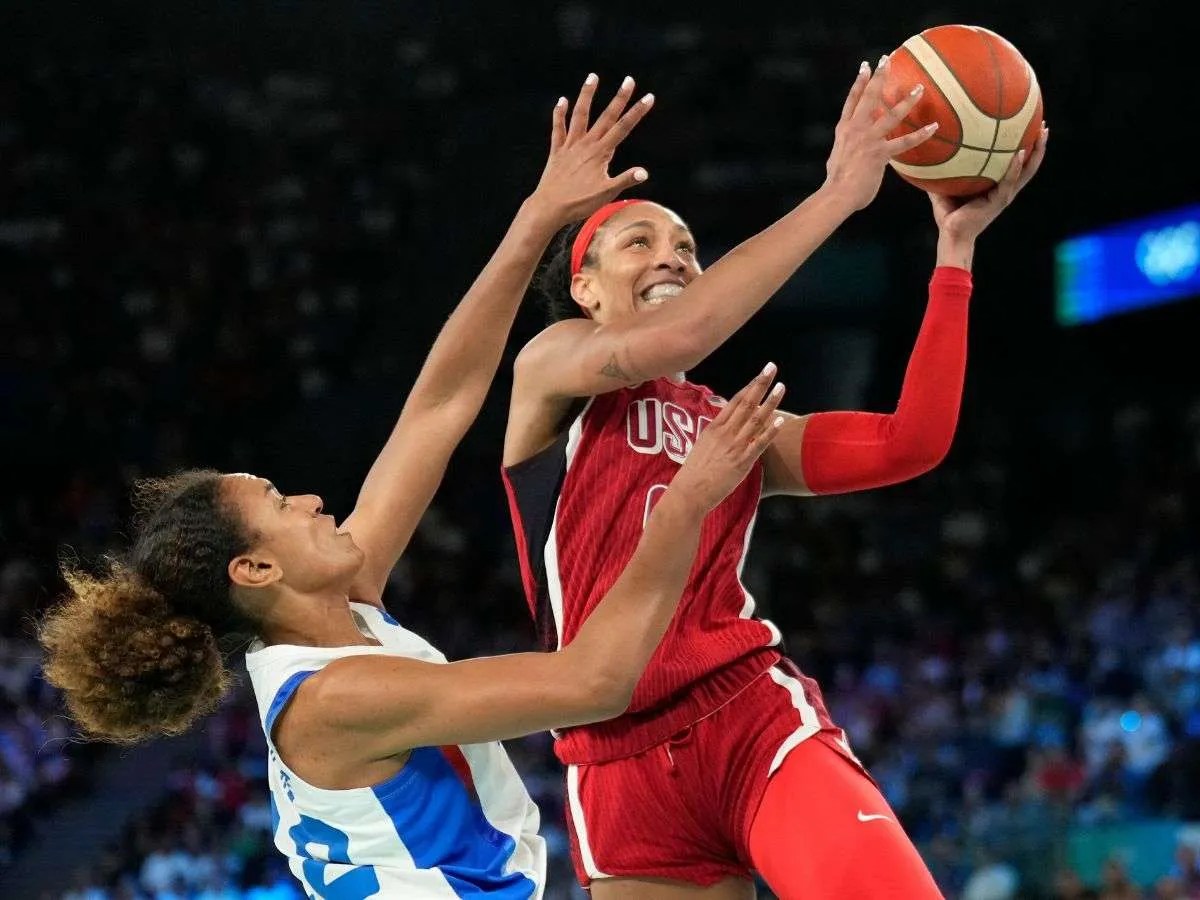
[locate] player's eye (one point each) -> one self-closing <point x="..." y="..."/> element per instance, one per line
<point x="639" y="241"/>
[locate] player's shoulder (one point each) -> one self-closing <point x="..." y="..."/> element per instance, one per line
<point x="554" y="338"/>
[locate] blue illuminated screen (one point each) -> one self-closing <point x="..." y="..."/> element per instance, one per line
<point x="1131" y="265"/>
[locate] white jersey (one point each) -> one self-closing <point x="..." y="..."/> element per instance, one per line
<point x="453" y="822"/>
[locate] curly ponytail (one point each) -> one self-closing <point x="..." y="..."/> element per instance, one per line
<point x="553" y="278"/>
<point x="128" y="667"/>
<point x="137" y="650"/>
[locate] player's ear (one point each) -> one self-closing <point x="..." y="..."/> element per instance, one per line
<point x="254" y="569"/>
<point x="583" y="292"/>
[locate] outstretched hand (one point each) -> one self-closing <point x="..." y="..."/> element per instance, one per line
<point x="575" y="182"/>
<point x="861" y="146"/>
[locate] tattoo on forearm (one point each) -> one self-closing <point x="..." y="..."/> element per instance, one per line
<point x="613" y="369"/>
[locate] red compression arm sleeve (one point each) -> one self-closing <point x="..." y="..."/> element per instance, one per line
<point x="853" y="451"/>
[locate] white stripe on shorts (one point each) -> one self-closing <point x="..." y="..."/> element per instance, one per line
<point x="809" y="723"/>
<point x="585" y="847"/>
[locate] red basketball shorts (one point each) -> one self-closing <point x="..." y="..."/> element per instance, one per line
<point x="737" y="792"/>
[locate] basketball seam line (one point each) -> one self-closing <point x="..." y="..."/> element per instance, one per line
<point x="999" y="103"/>
<point x="934" y="81"/>
<point x="996" y="129"/>
<point x="997" y="119"/>
<point x="959" y="144"/>
<point x="929" y="77"/>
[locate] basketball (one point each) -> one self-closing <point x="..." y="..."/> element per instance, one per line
<point x="984" y="97"/>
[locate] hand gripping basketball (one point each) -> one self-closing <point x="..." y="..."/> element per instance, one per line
<point x="964" y="219"/>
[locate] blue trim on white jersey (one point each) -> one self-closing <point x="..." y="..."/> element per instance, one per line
<point x="282" y="696"/>
<point x="473" y="829"/>
<point x="441" y="823"/>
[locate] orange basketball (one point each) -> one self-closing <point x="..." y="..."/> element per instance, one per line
<point x="984" y="97"/>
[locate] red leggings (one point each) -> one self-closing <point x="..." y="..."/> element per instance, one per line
<point x="823" y="830"/>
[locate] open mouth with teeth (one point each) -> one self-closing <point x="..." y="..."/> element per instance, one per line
<point x="658" y="294"/>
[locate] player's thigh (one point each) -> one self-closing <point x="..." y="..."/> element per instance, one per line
<point x="823" y="831"/>
<point x="663" y="889"/>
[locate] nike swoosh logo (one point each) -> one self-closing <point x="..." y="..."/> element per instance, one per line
<point x="863" y="817"/>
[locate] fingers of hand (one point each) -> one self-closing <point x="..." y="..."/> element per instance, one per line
<point x="558" y="124"/>
<point x="1034" y="162"/>
<point x="763" y="439"/>
<point x="583" y="107"/>
<point x="627" y="179"/>
<point x="873" y="91"/>
<point x="760" y="385"/>
<point x="763" y="418"/>
<point x="1007" y="187"/>
<point x="904" y="143"/>
<point x="615" y="107"/>
<point x="627" y="122"/>
<point x="1015" y="165"/>
<point x="856" y="90"/>
<point x="896" y="114"/>
<point x="745" y="401"/>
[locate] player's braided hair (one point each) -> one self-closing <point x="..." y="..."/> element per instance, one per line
<point x="553" y="279"/>
<point x="136" y="649"/>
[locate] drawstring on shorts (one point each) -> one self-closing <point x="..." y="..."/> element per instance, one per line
<point x="676" y="740"/>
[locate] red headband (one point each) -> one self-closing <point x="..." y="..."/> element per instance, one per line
<point x="584" y="239"/>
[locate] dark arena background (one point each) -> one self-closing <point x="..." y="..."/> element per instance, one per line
<point x="229" y="232"/>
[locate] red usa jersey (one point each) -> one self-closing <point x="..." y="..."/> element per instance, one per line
<point x="578" y="511"/>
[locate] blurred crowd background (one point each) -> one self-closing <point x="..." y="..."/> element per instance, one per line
<point x="229" y="232"/>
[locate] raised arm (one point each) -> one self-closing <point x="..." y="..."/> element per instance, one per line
<point x="378" y="706"/>
<point x="836" y="452"/>
<point x="579" y="358"/>
<point x="455" y="378"/>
